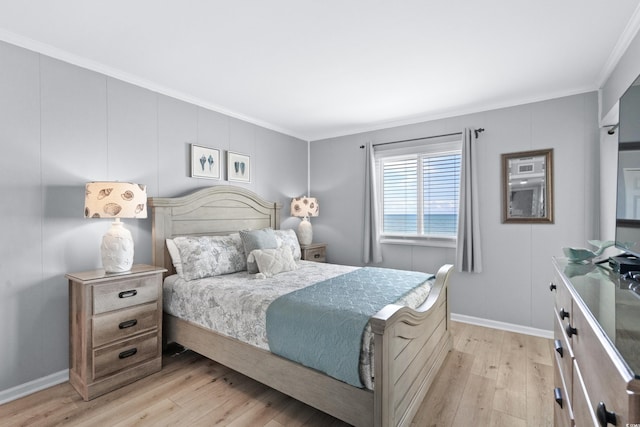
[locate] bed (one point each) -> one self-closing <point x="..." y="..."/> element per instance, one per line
<point x="410" y="345"/>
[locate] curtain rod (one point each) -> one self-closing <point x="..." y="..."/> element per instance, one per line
<point x="477" y="132"/>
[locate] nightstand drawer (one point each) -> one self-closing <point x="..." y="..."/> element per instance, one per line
<point x="124" y="323"/>
<point x="124" y="354"/>
<point x="317" y="254"/>
<point x="125" y="293"/>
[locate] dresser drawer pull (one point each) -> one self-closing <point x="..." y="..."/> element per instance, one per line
<point x="316" y="255"/>
<point x="552" y="286"/>
<point x="570" y="330"/>
<point x="128" y="353"/>
<point x="605" y="417"/>
<point x="563" y="314"/>
<point x="128" y="324"/>
<point x="557" y="393"/>
<point x="558" y="346"/>
<point x="128" y="294"/>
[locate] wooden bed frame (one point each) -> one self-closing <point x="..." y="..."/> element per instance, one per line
<point x="410" y="345"/>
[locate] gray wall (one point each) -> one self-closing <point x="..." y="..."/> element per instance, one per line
<point x="517" y="257"/>
<point x="61" y="126"/>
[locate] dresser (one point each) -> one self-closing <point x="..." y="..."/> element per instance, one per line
<point x="314" y="252"/>
<point x="115" y="328"/>
<point x="597" y="346"/>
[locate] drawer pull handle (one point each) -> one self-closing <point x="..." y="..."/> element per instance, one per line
<point x="552" y="286"/>
<point x="570" y="330"/>
<point x="563" y="314"/>
<point x="316" y="256"/>
<point x="557" y="393"/>
<point x="558" y="346"/>
<point x="605" y="417"/>
<point x="128" y="294"/>
<point x="128" y="324"/>
<point x="128" y="353"/>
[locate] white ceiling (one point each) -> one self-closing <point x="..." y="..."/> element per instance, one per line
<point x="315" y="69"/>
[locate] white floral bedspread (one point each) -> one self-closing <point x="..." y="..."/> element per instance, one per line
<point x="235" y="304"/>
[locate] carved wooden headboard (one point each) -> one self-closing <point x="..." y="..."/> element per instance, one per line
<point x="214" y="210"/>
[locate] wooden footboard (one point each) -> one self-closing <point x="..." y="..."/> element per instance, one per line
<point x="410" y="347"/>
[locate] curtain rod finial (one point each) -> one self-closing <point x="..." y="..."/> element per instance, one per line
<point x="478" y="131"/>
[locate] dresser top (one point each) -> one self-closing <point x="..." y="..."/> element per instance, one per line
<point x="613" y="305"/>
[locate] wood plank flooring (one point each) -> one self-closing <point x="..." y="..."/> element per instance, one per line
<point x="491" y="378"/>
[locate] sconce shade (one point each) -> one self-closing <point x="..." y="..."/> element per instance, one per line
<point x="304" y="207"/>
<point x="110" y="199"/>
<point x="116" y="200"/>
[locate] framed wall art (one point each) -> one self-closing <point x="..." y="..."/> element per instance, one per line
<point x="527" y="187"/>
<point x="238" y="167"/>
<point x="205" y="162"/>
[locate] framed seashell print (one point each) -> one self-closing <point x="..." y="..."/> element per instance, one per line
<point x="238" y="167"/>
<point x="205" y="162"/>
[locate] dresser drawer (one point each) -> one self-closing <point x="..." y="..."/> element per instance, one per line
<point x="598" y="372"/>
<point x="124" y="354"/>
<point x="125" y="293"/>
<point x="121" y="324"/>
<point x="582" y="409"/>
<point x="562" y="412"/>
<point x="564" y="355"/>
<point x="562" y="300"/>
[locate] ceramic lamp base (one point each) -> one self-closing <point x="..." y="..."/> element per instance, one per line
<point x="117" y="249"/>
<point x="305" y="232"/>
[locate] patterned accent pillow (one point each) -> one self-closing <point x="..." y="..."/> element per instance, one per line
<point x="207" y="256"/>
<point x="290" y="239"/>
<point x="273" y="261"/>
<point x="257" y="239"/>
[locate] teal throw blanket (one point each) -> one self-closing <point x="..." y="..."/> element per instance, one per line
<point x="321" y="326"/>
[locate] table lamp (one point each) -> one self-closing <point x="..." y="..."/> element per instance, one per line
<point x="116" y="200"/>
<point x="304" y="207"/>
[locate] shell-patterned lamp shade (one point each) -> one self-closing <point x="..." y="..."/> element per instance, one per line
<point x="112" y="199"/>
<point x="303" y="207"/>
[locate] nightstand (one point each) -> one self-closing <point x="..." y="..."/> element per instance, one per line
<point x="314" y="252"/>
<point x="115" y="328"/>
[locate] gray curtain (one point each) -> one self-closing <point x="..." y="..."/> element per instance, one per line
<point x="468" y="253"/>
<point x="372" y="249"/>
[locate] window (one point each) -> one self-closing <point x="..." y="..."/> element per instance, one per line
<point x="419" y="188"/>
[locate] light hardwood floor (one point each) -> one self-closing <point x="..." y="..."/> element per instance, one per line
<point x="491" y="378"/>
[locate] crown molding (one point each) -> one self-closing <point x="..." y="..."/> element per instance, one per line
<point x="628" y="34"/>
<point x="480" y="108"/>
<point x="65" y="56"/>
<point x="45" y="49"/>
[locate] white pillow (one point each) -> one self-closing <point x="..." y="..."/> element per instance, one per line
<point x="175" y="256"/>
<point x="273" y="261"/>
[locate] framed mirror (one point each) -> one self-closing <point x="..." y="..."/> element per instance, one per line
<point x="527" y="187"/>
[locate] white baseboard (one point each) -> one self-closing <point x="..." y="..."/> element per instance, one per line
<point x="32" y="386"/>
<point x="502" y="326"/>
